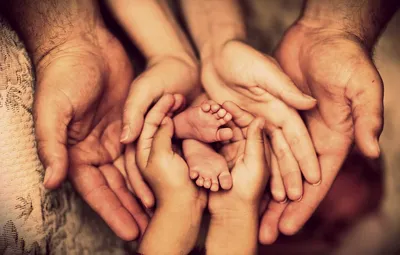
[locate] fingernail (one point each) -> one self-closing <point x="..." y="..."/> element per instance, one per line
<point x="284" y="201"/>
<point x="317" y="183"/>
<point x="125" y="133"/>
<point x="309" y="97"/>
<point x="298" y="200"/>
<point x="47" y="175"/>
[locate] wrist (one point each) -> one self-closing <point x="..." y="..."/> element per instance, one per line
<point x="234" y="214"/>
<point x="363" y="20"/>
<point x="220" y="36"/>
<point x="46" y="26"/>
<point x="182" y="203"/>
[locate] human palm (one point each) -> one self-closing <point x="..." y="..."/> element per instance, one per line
<point x="335" y="68"/>
<point x="256" y="83"/>
<point x="81" y="88"/>
<point x="248" y="157"/>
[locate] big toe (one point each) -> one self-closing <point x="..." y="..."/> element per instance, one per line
<point x="225" y="180"/>
<point x="224" y="134"/>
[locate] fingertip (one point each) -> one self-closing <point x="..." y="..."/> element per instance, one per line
<point x="54" y="177"/>
<point x="288" y="227"/>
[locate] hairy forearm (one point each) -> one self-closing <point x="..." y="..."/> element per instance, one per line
<point x="46" y="24"/>
<point x="172" y="230"/>
<point x="212" y="23"/>
<point x="364" y="19"/>
<point x="152" y="26"/>
<point x="233" y="233"/>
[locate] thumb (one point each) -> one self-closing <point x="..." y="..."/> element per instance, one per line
<point x="140" y="97"/>
<point x="366" y="95"/>
<point x="51" y="121"/>
<point x="254" y="150"/>
<point x="162" y="142"/>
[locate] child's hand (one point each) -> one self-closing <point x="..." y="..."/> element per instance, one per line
<point x="169" y="74"/>
<point x="164" y="170"/>
<point x="247" y="157"/>
<point x="257" y="84"/>
<point x="235" y="213"/>
<point x="180" y="204"/>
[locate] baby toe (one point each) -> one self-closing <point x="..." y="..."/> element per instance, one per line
<point x="200" y="181"/>
<point x="207" y="183"/>
<point x="206" y="107"/>
<point x="193" y="174"/>
<point x="216" y="116"/>
<point x="224" y="134"/>
<point x="221" y="113"/>
<point x="215" y="108"/>
<point x="228" y="117"/>
<point x="214" y="185"/>
<point x="225" y="180"/>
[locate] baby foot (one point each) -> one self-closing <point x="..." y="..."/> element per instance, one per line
<point x="207" y="166"/>
<point x="203" y="123"/>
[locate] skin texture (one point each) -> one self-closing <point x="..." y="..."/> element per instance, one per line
<point x="180" y="204"/>
<point x="232" y="70"/>
<point x="82" y="78"/>
<point x="234" y="213"/>
<point x="327" y="54"/>
<point x="171" y="68"/>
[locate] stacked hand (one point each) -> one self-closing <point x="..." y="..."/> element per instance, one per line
<point x="255" y="82"/>
<point x="80" y="93"/>
<point x="334" y="67"/>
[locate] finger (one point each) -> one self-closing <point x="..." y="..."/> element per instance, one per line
<point x="254" y="150"/>
<point x="151" y="124"/>
<point x="162" y="143"/>
<point x="52" y="116"/>
<point x="180" y="103"/>
<point x="277" y="188"/>
<point x="302" y="147"/>
<point x="239" y="116"/>
<point x="139" y="99"/>
<point x="366" y="95"/>
<point x="297" y="213"/>
<point x="117" y="184"/>
<point x="269" y="230"/>
<point x="262" y="72"/>
<point x="139" y="186"/>
<point x="92" y="186"/>
<point x="290" y="171"/>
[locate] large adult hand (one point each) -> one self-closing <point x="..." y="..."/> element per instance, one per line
<point x="255" y="82"/>
<point x="81" y="88"/>
<point x="336" y="69"/>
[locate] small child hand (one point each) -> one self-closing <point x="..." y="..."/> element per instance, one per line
<point x="163" y="169"/>
<point x="246" y="155"/>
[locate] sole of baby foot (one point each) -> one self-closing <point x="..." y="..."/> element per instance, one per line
<point x="205" y="164"/>
<point x="204" y="123"/>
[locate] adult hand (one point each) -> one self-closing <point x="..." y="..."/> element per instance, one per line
<point x="81" y="87"/>
<point x="334" y="67"/>
<point x="255" y="82"/>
